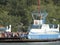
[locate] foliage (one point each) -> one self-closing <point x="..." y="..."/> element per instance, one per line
<point x="18" y="12"/>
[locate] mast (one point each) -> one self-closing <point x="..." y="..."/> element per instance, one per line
<point x="39" y="9"/>
<point x="40" y="15"/>
<point x="38" y="6"/>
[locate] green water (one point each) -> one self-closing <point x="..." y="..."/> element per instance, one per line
<point x="33" y="43"/>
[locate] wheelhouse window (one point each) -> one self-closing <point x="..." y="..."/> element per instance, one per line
<point x="36" y="26"/>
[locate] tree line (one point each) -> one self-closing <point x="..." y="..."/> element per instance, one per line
<point x="18" y="12"/>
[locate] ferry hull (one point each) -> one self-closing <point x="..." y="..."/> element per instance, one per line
<point x="44" y="36"/>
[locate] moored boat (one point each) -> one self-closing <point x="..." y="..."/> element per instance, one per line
<point x="40" y="30"/>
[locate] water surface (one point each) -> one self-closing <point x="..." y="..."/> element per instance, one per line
<point x="33" y="43"/>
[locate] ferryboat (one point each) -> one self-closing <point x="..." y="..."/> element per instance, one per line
<point x="40" y="30"/>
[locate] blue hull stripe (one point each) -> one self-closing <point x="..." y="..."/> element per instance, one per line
<point x="48" y="36"/>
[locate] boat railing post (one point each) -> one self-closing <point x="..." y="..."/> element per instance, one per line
<point x="58" y="27"/>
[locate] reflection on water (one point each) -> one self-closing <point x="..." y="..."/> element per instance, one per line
<point x="33" y="43"/>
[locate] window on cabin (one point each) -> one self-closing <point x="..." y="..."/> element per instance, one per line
<point x="53" y="26"/>
<point x="36" y="26"/>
